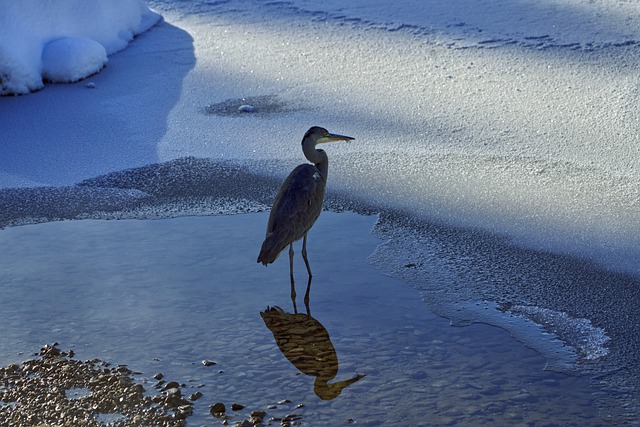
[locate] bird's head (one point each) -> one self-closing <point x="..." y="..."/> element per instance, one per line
<point x="319" y="135"/>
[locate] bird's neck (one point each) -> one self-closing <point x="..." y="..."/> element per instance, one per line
<point x="318" y="158"/>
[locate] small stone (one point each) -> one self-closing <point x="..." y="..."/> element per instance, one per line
<point x="158" y="376"/>
<point x="208" y="362"/>
<point x="91" y="85"/>
<point x="237" y="407"/>
<point x="218" y="409"/>
<point x="173" y="392"/>
<point x="172" y="384"/>
<point x="300" y="405"/>
<point x="272" y="407"/>
<point x="246" y="108"/>
<point x="195" y="396"/>
<point x="257" y="416"/>
<point x="283" y="402"/>
<point x="184" y="411"/>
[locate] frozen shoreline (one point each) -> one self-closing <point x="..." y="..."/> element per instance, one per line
<point x="501" y="164"/>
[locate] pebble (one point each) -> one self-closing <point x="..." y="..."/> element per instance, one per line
<point x="169" y="385"/>
<point x="218" y="409"/>
<point x="208" y="363"/>
<point x="246" y="108"/>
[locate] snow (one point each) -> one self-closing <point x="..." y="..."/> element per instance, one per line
<point x="72" y="58"/>
<point x="515" y="118"/>
<point x="490" y="23"/>
<point x="64" y="40"/>
<point x="511" y="123"/>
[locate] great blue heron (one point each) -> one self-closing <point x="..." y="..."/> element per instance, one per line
<point x="299" y="202"/>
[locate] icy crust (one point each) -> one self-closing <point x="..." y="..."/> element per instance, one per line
<point x="547" y="205"/>
<point x="64" y="41"/>
<point x="446" y="286"/>
<point x="186" y="186"/>
<point x="581" y="318"/>
<point x="575" y="24"/>
<point x="588" y="340"/>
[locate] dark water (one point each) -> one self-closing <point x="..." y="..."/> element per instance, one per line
<point x="163" y="295"/>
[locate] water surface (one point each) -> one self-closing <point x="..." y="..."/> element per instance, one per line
<point x="163" y="295"/>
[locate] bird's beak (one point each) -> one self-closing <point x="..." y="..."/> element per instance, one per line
<point x="335" y="137"/>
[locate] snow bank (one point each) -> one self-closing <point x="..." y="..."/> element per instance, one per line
<point x="64" y="40"/>
<point x="72" y="58"/>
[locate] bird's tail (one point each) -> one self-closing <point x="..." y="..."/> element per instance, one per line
<point x="270" y="250"/>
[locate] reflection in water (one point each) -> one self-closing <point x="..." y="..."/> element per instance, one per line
<point x="306" y="344"/>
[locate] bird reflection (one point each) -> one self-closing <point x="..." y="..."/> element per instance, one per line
<point x="306" y="344"/>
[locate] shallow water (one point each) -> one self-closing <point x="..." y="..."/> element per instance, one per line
<point x="163" y="295"/>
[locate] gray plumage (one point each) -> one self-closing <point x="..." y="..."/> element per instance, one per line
<point x="295" y="209"/>
<point x="299" y="201"/>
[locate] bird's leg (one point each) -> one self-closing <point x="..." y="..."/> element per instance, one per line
<point x="306" y="296"/>
<point x="293" y="284"/>
<point x="304" y="255"/>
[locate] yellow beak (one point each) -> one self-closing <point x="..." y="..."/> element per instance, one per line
<point x="335" y="137"/>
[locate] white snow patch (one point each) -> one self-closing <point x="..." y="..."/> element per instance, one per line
<point x="34" y="32"/>
<point x="71" y="59"/>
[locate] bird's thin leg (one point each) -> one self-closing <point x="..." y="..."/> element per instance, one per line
<point x="306" y="296"/>
<point x="293" y="284"/>
<point x="304" y="255"/>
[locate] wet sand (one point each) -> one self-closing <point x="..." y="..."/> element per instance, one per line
<point x="161" y="296"/>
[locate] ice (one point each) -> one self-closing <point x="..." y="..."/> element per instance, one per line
<point x="590" y="341"/>
<point x="490" y="23"/>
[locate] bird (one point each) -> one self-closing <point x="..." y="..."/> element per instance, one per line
<point x="299" y="202"/>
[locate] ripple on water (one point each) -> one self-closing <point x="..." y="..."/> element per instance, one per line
<point x="419" y="369"/>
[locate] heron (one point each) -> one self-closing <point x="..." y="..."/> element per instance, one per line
<point x="299" y="203"/>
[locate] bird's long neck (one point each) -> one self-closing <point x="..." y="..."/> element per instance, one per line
<point x="317" y="157"/>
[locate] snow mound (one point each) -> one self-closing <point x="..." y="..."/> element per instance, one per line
<point x="71" y="59"/>
<point x="58" y="40"/>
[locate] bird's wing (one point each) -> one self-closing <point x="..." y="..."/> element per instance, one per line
<point x="298" y="203"/>
<point x="295" y="209"/>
